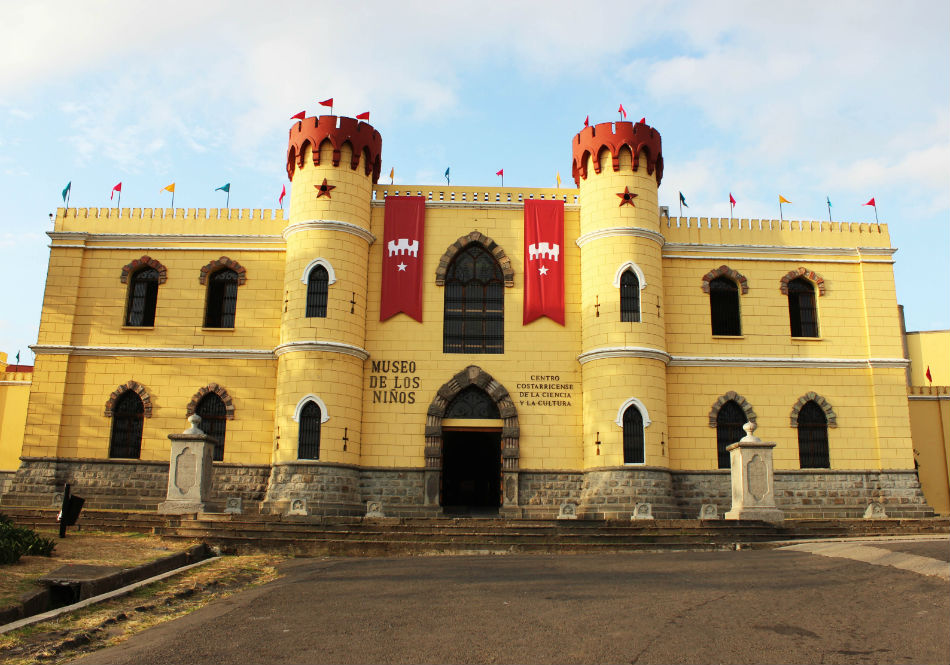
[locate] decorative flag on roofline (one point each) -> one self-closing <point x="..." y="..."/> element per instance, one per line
<point x="226" y="188"/>
<point x="328" y="102"/>
<point x="543" y="260"/>
<point x="929" y="377"/>
<point x="623" y="114"/>
<point x="392" y="174"/>
<point x="117" y="188"/>
<point x="363" y="116"/>
<point x="559" y="180"/>
<point x="501" y="172"/>
<point x="587" y="121"/>
<point x="643" y="120"/>
<point x="874" y="205"/>
<point x="781" y="200"/>
<point x="299" y="116"/>
<point x="169" y="188"/>
<point x="283" y="193"/>
<point x="403" y="235"/>
<point x="732" y="204"/>
<point x="448" y="181"/>
<point x="66" y="191"/>
<point x="682" y="203"/>
<point x="828" y="199"/>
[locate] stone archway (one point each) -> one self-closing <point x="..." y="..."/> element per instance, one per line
<point x="510" y="434"/>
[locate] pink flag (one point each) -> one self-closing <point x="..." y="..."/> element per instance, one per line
<point x="500" y="172"/>
<point x="870" y="203"/>
<point x="732" y="201"/>
<point x="117" y="188"/>
<point x="283" y="193"/>
<point x="622" y="112"/>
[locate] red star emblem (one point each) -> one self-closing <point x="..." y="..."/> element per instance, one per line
<point x="627" y="197"/>
<point x="325" y="189"/>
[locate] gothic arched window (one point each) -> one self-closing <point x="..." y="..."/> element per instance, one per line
<point x="143" y="296"/>
<point x="308" y="437"/>
<point x="633" y="438"/>
<point x="474" y="316"/>
<point x="318" y="285"/>
<point x="128" y="416"/>
<point x="222" y="299"/>
<point x="724" y="307"/>
<point x="629" y="296"/>
<point x="472" y="402"/>
<point x="214" y="422"/>
<point x="729" y="430"/>
<point x="813" y="437"/>
<point x="802" y="314"/>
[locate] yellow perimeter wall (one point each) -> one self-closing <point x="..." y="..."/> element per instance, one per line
<point x="14" y="395"/>
<point x="84" y="352"/>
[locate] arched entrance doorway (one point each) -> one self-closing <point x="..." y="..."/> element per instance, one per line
<point x="472" y="446"/>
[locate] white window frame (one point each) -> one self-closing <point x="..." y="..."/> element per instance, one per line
<point x="324" y="414"/>
<point x="313" y="264"/>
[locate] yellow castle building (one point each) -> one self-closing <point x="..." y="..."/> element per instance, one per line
<point x="663" y="338"/>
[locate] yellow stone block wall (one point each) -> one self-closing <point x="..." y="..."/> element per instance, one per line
<point x="930" y="425"/>
<point x="929" y="348"/>
<point x="83" y="430"/>
<point x="394" y="432"/>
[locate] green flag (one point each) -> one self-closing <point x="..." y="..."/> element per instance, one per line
<point x="69" y="186"/>
<point x="226" y="187"/>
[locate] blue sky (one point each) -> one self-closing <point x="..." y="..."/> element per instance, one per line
<point x="807" y="99"/>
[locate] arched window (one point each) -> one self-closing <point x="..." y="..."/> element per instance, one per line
<point x="214" y="421"/>
<point x="143" y="296"/>
<point x="318" y="285"/>
<point x="629" y="296"/>
<point x="308" y="438"/>
<point x="472" y="402"/>
<point x="474" y="316"/>
<point x="802" y="314"/>
<point x="812" y="437"/>
<point x="729" y="430"/>
<point x="128" y="415"/>
<point x="222" y="299"/>
<point x="633" y="440"/>
<point x="724" y="306"/>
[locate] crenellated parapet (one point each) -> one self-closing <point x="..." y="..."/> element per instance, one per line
<point x="364" y="141"/>
<point x="614" y="136"/>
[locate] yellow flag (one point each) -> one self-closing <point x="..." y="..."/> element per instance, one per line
<point x="169" y="188"/>
<point x="392" y="172"/>
<point x="782" y="199"/>
<point x="559" y="180"/>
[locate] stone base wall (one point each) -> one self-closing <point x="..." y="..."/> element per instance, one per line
<point x="326" y="489"/>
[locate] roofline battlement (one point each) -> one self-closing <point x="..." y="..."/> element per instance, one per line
<point x="797" y="233"/>
<point x="171" y="220"/>
<point x="338" y="130"/>
<point x="639" y="137"/>
<point x="477" y="195"/>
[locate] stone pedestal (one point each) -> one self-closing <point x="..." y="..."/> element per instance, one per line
<point x="753" y="485"/>
<point x="189" y="473"/>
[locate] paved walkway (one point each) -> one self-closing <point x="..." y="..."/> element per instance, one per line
<point x="750" y="606"/>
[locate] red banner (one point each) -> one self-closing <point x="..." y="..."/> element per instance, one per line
<point x="543" y="260"/>
<point x="403" y="231"/>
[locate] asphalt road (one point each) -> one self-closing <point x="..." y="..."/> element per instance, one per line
<point x="759" y="606"/>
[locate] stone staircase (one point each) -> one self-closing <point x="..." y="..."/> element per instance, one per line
<point x="314" y="536"/>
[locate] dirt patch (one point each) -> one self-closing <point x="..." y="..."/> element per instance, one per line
<point x="105" y="624"/>
<point x="87" y="548"/>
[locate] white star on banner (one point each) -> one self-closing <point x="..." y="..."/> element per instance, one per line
<point x="543" y="270"/>
<point x="402" y="267"/>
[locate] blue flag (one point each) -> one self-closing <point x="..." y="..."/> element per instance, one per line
<point x="69" y="186"/>
<point x="226" y="187"/>
<point x="447" y="176"/>
<point x="828" y="199"/>
<point x="683" y="200"/>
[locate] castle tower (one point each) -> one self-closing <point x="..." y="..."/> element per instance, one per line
<point x="332" y="163"/>
<point x="618" y="167"/>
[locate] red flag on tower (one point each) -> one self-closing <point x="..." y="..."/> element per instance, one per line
<point x="403" y="232"/>
<point x="732" y="201"/>
<point x="327" y="102"/>
<point x="643" y="120"/>
<point x="283" y="193"/>
<point x="623" y="113"/>
<point x="299" y="116"/>
<point x="363" y="116"/>
<point x="587" y="121"/>
<point x="543" y="260"/>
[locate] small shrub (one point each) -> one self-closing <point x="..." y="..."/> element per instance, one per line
<point x="16" y="541"/>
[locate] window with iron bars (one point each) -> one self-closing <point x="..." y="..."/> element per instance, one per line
<point x="214" y="422"/>
<point x="222" y="299"/>
<point x="633" y="443"/>
<point x="308" y="437"/>
<point x="474" y="315"/>
<point x="629" y="296"/>
<point x="128" y="416"/>
<point x="143" y="297"/>
<point x="813" y="437"/>
<point x="729" y="422"/>
<point x="802" y="314"/>
<point x="317" y="292"/>
<point x="724" y="307"/>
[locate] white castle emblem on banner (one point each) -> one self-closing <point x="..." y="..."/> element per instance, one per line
<point x="544" y="250"/>
<point x="403" y="246"/>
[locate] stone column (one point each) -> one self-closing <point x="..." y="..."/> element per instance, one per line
<point x="753" y="485"/>
<point x="189" y="472"/>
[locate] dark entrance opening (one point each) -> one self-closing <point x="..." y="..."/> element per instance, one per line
<point x="471" y="472"/>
